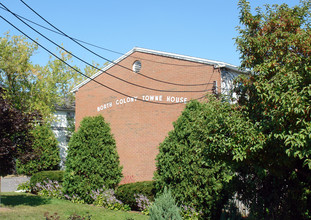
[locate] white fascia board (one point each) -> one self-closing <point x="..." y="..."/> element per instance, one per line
<point x="216" y="64"/>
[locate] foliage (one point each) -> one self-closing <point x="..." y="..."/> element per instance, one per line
<point x="26" y="87"/>
<point x="32" y="87"/>
<point x="264" y="139"/>
<point x="49" y="188"/>
<point x="106" y="198"/>
<point x="189" y="213"/>
<point x="165" y="207"/>
<point x="16" y="69"/>
<point x="45" y="146"/>
<point x="191" y="160"/>
<point x="74" y="199"/>
<point x="29" y="88"/>
<point x="92" y="159"/>
<point x="26" y="187"/>
<point x="15" y="138"/>
<point x="40" y="177"/>
<point x="126" y="192"/>
<point x="143" y="203"/>
<point x="275" y="179"/>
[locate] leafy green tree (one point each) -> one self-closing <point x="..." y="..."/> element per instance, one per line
<point x="46" y="149"/>
<point x="92" y="159"/>
<point x="31" y="87"/>
<point x="16" y="69"/>
<point x="275" y="45"/>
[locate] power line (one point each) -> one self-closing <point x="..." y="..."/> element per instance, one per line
<point x="96" y="54"/>
<point x="103" y="48"/>
<point x="114" y="90"/>
<point x="134" y="84"/>
<point x="56" y="32"/>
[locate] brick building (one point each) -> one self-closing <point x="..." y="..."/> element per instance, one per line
<point x="141" y="115"/>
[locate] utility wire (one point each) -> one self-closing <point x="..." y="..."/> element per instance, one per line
<point x="103" y="48"/>
<point x="134" y="84"/>
<point x="96" y="54"/>
<point x="121" y="93"/>
<point x="56" y="32"/>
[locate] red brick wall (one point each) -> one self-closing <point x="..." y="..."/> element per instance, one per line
<point x="140" y="127"/>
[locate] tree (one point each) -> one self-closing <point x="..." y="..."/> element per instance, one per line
<point x="16" y="70"/>
<point x="264" y="139"/>
<point x="92" y="159"/>
<point x="165" y="207"/>
<point x="15" y="139"/>
<point x="196" y="161"/>
<point x="33" y="87"/>
<point x="276" y="46"/>
<point x="45" y="147"/>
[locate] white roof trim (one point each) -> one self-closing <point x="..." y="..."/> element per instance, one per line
<point x="216" y="64"/>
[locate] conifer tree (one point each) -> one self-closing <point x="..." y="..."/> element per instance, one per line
<point x="165" y="207"/>
<point x="46" y="151"/>
<point x="92" y="159"/>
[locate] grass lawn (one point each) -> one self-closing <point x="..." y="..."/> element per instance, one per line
<point x="26" y="206"/>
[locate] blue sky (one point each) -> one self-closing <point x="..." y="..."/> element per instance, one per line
<point x="199" y="28"/>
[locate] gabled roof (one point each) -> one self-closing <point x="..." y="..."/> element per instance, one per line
<point x="216" y="64"/>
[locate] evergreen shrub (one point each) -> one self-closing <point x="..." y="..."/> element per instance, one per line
<point x="165" y="208"/>
<point x="46" y="152"/>
<point x="126" y="193"/>
<point x="92" y="160"/>
<point x="186" y="163"/>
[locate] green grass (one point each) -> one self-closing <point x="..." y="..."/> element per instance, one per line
<point x="27" y="206"/>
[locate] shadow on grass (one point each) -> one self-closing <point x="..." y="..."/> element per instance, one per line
<point x="23" y="199"/>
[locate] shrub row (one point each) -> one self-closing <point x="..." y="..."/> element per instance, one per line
<point x="125" y="194"/>
<point x="162" y="207"/>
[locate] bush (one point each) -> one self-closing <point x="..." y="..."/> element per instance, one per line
<point x="165" y="207"/>
<point x="143" y="203"/>
<point x="186" y="165"/>
<point x="49" y="188"/>
<point x="25" y="186"/>
<point x="126" y="193"/>
<point x="46" y="150"/>
<point x="92" y="160"/>
<point x="40" y="177"/>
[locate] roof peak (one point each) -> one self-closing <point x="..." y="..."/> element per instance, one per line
<point x="216" y="64"/>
